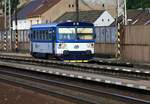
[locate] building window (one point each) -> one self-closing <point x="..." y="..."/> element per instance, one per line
<point x="69" y="6"/>
<point x="102" y="20"/>
<point x="103" y="5"/>
<point x="108" y="19"/>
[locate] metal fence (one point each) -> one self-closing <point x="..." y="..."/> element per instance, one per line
<point x="22" y="36"/>
<point x="103" y="35"/>
<point x="106" y="34"/>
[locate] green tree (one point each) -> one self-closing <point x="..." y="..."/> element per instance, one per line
<point x="135" y="4"/>
<point x="14" y="4"/>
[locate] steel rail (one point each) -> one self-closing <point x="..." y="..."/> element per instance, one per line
<point x="73" y="86"/>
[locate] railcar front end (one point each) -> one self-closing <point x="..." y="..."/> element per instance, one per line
<point x="75" y="43"/>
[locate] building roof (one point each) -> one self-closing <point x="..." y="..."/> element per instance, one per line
<point x="43" y="7"/>
<point x="138" y="17"/>
<point x="35" y="7"/>
<point x="85" y="16"/>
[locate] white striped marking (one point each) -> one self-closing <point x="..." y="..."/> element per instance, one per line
<point x="107" y="81"/>
<point x="147" y="72"/>
<point x="130" y="85"/>
<point x="128" y="63"/>
<point x="128" y="70"/>
<point x="101" y="67"/>
<point x="98" y="80"/>
<point x="80" y="76"/>
<point x="116" y="68"/>
<point x="64" y="74"/>
<point x="37" y="69"/>
<point x="88" y="78"/>
<point x="137" y="71"/>
<point x="32" y="68"/>
<point x="57" y="73"/>
<point x="109" y="68"/>
<point x="118" y="83"/>
<point x="50" y="72"/>
<point x="71" y="75"/>
<point x="44" y="71"/>
<point x="142" y="87"/>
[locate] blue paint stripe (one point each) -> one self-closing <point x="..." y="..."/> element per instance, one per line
<point x="76" y="41"/>
<point x="69" y="41"/>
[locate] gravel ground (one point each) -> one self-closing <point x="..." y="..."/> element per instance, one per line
<point x="16" y="95"/>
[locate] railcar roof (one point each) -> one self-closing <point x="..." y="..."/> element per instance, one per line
<point x="44" y="25"/>
<point x="61" y="24"/>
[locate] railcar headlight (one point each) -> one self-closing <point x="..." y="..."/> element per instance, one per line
<point x="62" y="46"/>
<point x="90" y="45"/>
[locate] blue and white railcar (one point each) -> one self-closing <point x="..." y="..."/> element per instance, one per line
<point x="69" y="41"/>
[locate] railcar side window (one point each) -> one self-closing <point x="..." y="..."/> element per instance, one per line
<point x="34" y="33"/>
<point x="44" y="35"/>
<point x="41" y="35"/>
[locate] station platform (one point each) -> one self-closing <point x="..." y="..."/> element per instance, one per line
<point x="131" y="83"/>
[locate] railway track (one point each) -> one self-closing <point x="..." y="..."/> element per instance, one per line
<point x="126" y="72"/>
<point x="71" y="89"/>
<point x="112" y="62"/>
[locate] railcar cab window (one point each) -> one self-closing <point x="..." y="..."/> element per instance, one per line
<point x="85" y="33"/>
<point x="41" y="35"/>
<point x="70" y="34"/>
<point x="67" y="34"/>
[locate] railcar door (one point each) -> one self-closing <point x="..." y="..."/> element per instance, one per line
<point x="53" y="40"/>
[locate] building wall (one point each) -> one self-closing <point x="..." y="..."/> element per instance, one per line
<point x="56" y="11"/>
<point x="137" y="43"/>
<point x="69" y="5"/>
<point x="21" y="24"/>
<point x="104" y="20"/>
<point x="25" y="24"/>
<point x="35" y="20"/>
